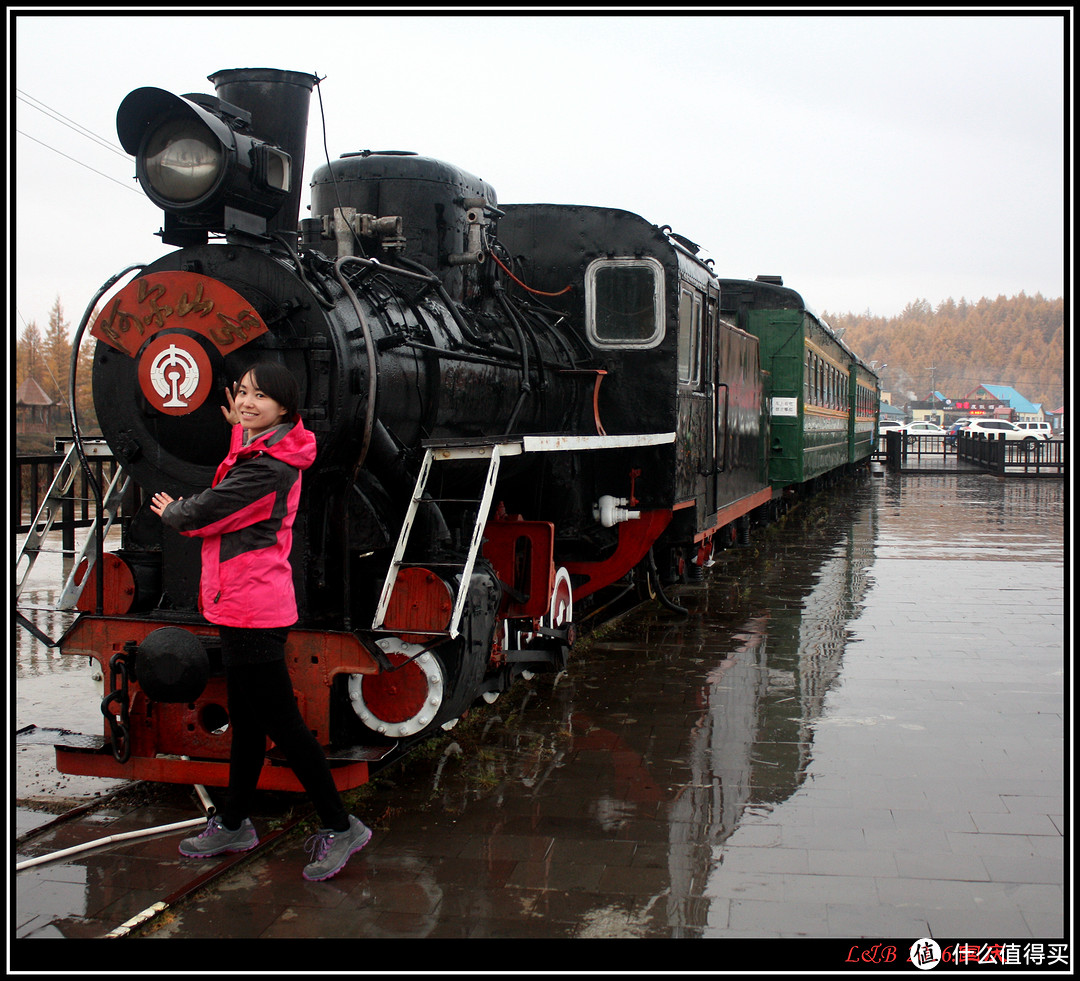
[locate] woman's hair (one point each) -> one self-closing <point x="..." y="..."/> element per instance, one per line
<point x="280" y="384"/>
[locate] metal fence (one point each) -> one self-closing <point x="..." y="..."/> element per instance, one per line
<point x="34" y="475"/>
<point x="1023" y="458"/>
<point x="917" y="451"/>
<point x="1040" y="458"/>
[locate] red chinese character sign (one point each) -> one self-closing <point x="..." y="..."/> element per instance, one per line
<point x="144" y="321"/>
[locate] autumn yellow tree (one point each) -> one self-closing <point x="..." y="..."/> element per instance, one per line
<point x="1016" y="341"/>
<point x="46" y="357"/>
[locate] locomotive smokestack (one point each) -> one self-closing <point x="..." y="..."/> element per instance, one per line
<point x="278" y="101"/>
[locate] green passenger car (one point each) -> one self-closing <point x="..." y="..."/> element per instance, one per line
<point x="822" y="399"/>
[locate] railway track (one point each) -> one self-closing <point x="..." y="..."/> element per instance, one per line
<point x="84" y="823"/>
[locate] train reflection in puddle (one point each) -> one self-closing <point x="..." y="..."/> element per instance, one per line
<point x="669" y="731"/>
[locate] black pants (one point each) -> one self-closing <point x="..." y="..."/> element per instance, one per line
<point x="261" y="704"/>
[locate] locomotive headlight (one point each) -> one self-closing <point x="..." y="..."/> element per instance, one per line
<point x="182" y="160"/>
<point x="197" y="160"/>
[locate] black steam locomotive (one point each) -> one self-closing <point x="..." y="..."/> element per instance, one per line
<point x="524" y="414"/>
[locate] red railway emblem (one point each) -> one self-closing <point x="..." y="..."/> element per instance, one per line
<point x="145" y="319"/>
<point x="175" y="373"/>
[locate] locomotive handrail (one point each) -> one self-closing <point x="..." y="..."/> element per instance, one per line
<point x="373" y="263"/>
<point x="369" y="346"/>
<point x="716" y="471"/>
<point x="95" y="487"/>
<point x="369" y="415"/>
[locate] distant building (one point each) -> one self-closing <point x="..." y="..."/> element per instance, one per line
<point x="1020" y="409"/>
<point x="931" y="409"/>
<point x="944" y="411"/>
<point x="890" y="413"/>
<point x="35" y="412"/>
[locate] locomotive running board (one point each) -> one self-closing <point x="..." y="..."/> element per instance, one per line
<point x="492" y="450"/>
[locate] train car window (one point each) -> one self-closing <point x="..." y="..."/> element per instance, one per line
<point x="624" y="302"/>
<point x="689" y="337"/>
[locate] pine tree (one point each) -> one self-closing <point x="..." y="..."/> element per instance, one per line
<point x="28" y="354"/>
<point x="48" y="361"/>
<point x="84" y="397"/>
<point x="56" y="350"/>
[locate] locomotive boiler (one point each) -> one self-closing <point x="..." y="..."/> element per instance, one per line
<point x="524" y="415"/>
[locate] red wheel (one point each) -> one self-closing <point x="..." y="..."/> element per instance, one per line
<point x="404" y="701"/>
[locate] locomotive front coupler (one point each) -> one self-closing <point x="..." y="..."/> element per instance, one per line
<point x="122" y="666"/>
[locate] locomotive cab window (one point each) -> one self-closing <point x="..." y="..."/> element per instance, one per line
<point x="624" y="302"/>
<point x="689" y="337"/>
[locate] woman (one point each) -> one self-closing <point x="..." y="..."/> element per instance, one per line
<point x="245" y="519"/>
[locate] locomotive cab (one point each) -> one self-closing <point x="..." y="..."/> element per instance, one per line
<point x="650" y="307"/>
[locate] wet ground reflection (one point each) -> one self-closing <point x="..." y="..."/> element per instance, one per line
<point x="857" y="731"/>
<point x="52" y="691"/>
<point x="669" y="730"/>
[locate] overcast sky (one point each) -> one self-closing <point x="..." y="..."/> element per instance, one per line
<point x="870" y="160"/>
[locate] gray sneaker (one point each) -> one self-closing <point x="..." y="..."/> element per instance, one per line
<point x="330" y="850"/>
<point x="216" y="839"/>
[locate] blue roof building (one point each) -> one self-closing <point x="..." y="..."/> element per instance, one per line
<point x="1025" y="410"/>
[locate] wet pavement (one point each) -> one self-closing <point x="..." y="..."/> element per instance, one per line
<point x="857" y="732"/>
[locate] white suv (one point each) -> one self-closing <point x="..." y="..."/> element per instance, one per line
<point x="995" y="428"/>
<point x="1038" y="427"/>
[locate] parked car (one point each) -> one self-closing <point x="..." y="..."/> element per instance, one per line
<point x="956" y="427"/>
<point x="886" y="426"/>
<point x="1038" y="427"/>
<point x="913" y="430"/>
<point x="995" y="428"/>
<point x="920" y="426"/>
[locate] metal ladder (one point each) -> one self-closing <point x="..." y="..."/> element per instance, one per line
<point x="492" y="452"/>
<point x="50" y="507"/>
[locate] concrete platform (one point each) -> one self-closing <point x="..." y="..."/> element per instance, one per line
<point x="858" y="732"/>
